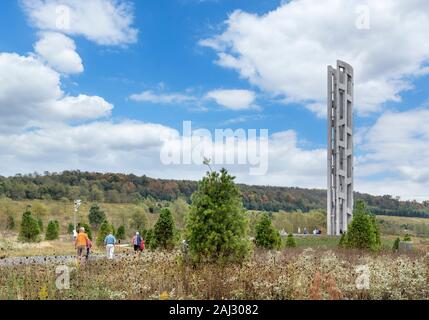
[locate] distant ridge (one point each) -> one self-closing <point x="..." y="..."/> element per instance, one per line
<point x="127" y="188"/>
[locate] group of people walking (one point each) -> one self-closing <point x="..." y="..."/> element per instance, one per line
<point x="83" y="244"/>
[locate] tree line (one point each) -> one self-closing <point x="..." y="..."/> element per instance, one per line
<point x="130" y="188"/>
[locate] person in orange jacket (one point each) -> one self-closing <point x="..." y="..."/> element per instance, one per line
<point x="81" y="242"/>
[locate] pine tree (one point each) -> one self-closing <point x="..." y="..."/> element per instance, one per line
<point x="290" y="241"/>
<point x="266" y="236"/>
<point x="363" y="231"/>
<point x="120" y="233"/>
<point x="96" y="216"/>
<point x="104" y="230"/>
<point x="217" y="226"/>
<point x="29" y="228"/>
<point x="163" y="231"/>
<point x="52" y="231"/>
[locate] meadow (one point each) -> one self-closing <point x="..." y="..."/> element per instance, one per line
<point x="316" y="269"/>
<point x="286" y="274"/>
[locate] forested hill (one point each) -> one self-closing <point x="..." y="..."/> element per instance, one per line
<point x="122" y="188"/>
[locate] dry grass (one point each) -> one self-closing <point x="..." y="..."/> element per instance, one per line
<point x="289" y="274"/>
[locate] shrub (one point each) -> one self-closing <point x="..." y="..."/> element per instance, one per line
<point x="407" y="237"/>
<point x="217" y="226"/>
<point x="70" y="228"/>
<point x="163" y="231"/>
<point x="266" y="236"/>
<point x="53" y="230"/>
<point x="120" y="233"/>
<point x="396" y="244"/>
<point x="96" y="216"/>
<point x="363" y="232"/>
<point x="290" y="241"/>
<point x="104" y="230"/>
<point x="29" y="228"/>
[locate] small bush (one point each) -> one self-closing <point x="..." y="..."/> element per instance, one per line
<point x="163" y="231"/>
<point x="70" y="228"/>
<point x="104" y="230"/>
<point x="53" y="230"/>
<point x="96" y="216"/>
<point x="290" y="241"/>
<point x="266" y="236"/>
<point x="120" y="233"/>
<point x="407" y="237"/>
<point x="29" y="228"/>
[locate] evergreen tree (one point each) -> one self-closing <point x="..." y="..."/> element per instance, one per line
<point x="52" y="231"/>
<point x="104" y="230"/>
<point x="407" y="237"/>
<point x="29" y="228"/>
<point x="266" y="236"/>
<point x="96" y="216"/>
<point x="217" y="224"/>
<point x="163" y="231"/>
<point x="120" y="233"/>
<point x="290" y="241"/>
<point x="70" y="228"/>
<point x="363" y="231"/>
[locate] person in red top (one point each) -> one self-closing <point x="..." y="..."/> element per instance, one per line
<point x="88" y="248"/>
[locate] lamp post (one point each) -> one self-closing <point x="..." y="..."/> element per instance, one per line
<point x="77" y="204"/>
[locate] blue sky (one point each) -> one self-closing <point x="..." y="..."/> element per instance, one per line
<point x="129" y="68"/>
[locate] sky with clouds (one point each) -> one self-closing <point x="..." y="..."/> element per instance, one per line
<point x="103" y="85"/>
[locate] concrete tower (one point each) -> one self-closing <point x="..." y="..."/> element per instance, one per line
<point x="340" y="147"/>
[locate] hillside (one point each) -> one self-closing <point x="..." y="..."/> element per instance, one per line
<point x="129" y="188"/>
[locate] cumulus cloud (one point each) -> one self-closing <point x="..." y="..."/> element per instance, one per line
<point x="233" y="99"/>
<point x="59" y="51"/>
<point x="396" y="152"/>
<point x="162" y="98"/>
<point x="30" y="94"/>
<point x="105" y="22"/>
<point x="286" y="51"/>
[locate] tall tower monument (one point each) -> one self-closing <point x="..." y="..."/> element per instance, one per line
<point x="340" y="147"/>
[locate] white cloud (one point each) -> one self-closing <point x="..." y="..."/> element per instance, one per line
<point x="106" y="22"/>
<point x="59" y="51"/>
<point x="82" y="107"/>
<point x="162" y="98"/>
<point x="320" y="109"/>
<point x="286" y="51"/>
<point x="30" y="95"/>
<point x="396" y="152"/>
<point x="233" y="99"/>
